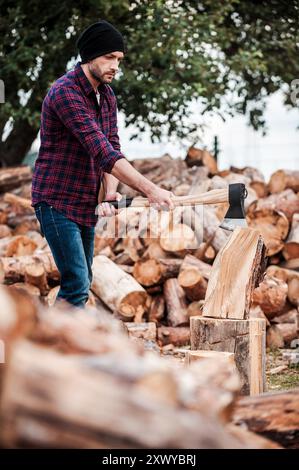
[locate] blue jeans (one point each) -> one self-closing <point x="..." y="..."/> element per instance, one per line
<point x="72" y="246"/>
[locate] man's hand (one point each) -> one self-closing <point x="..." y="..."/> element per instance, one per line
<point x="161" y="198"/>
<point x="107" y="210"/>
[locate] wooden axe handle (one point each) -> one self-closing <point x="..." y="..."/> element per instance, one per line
<point x="215" y="196"/>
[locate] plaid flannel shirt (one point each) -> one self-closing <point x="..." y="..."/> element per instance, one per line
<point x="79" y="141"/>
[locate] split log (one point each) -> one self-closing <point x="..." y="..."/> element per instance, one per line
<point x="283" y="179"/>
<point x="271" y="296"/>
<point x="273" y="226"/>
<point x="235" y="273"/>
<point x="273" y="415"/>
<point x="152" y="271"/>
<point x="178" y="336"/>
<point x="176" y="303"/>
<point x="291" y="246"/>
<point x="117" y="289"/>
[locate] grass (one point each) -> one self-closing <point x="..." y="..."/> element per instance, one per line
<point x="284" y="380"/>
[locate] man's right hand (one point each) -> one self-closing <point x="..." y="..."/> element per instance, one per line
<point x="160" y="198"/>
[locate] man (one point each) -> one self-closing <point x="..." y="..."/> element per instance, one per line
<point x="79" y="152"/>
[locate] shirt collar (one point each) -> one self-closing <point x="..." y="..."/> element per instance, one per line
<point x="85" y="83"/>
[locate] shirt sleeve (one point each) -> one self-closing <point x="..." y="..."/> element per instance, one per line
<point x="113" y="136"/>
<point x="70" y="107"/>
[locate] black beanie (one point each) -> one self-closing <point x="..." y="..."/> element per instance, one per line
<point x="98" y="39"/>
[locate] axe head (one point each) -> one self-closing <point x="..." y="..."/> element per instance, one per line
<point x="235" y="216"/>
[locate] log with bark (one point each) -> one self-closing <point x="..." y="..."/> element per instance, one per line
<point x="273" y="415"/>
<point x="176" y="303"/>
<point x="291" y="246"/>
<point x="287" y="202"/>
<point x="271" y="296"/>
<point x="151" y="271"/>
<point x="198" y="157"/>
<point x="283" y="179"/>
<point x="14" y="177"/>
<point x="273" y="226"/>
<point x="116" y="288"/>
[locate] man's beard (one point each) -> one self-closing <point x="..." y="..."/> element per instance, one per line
<point x="96" y="76"/>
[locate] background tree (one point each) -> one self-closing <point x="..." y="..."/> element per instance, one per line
<point x="227" y="54"/>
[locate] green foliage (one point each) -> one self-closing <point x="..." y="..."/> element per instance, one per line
<point x="227" y="54"/>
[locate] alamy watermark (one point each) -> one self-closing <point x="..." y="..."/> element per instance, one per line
<point x="183" y="223"/>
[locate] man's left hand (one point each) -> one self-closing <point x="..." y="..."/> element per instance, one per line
<point x="107" y="210"/>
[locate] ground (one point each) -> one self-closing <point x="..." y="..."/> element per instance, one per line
<point x="285" y="379"/>
<point x="280" y="376"/>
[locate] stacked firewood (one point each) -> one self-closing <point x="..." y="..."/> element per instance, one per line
<point x="74" y="379"/>
<point x="152" y="266"/>
<point x="87" y="379"/>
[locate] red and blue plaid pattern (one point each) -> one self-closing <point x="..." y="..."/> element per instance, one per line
<point x="79" y="141"/>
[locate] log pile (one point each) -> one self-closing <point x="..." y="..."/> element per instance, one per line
<point x="160" y="261"/>
<point x="152" y="270"/>
<point x="74" y="379"/>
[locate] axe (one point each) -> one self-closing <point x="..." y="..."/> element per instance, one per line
<point x="234" y="194"/>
